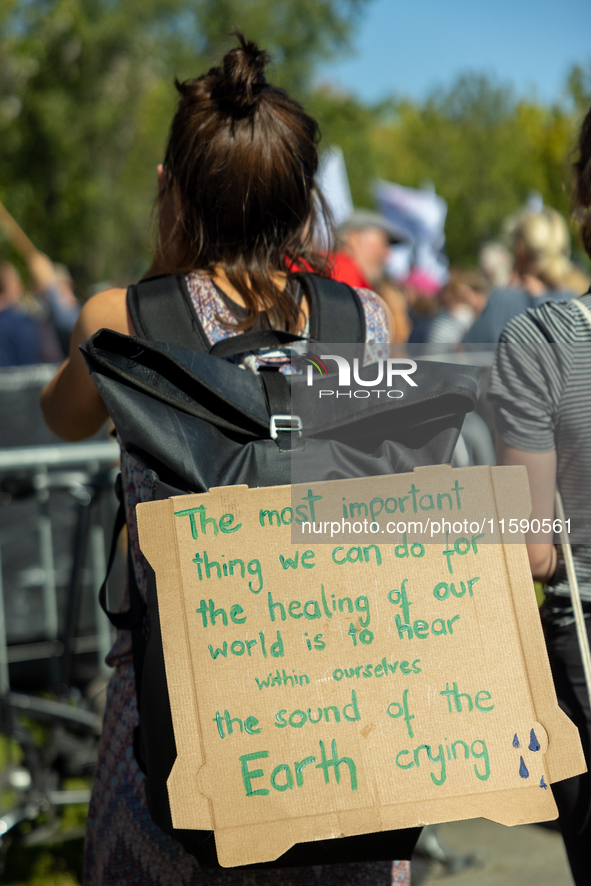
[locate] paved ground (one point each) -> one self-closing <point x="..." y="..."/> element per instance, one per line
<point x="527" y="855"/>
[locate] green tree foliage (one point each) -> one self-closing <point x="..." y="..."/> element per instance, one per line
<point x="86" y="97"/>
<point x="483" y="150"/>
<point x="346" y="122"/>
<point x="74" y="79"/>
<point x="579" y="87"/>
<point x="298" y="33"/>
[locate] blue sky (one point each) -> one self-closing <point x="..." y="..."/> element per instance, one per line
<point x="411" y="47"/>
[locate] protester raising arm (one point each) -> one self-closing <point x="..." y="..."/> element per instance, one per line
<point x="53" y="284"/>
<point x="71" y="403"/>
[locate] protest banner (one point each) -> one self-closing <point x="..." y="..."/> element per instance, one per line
<point x="326" y="680"/>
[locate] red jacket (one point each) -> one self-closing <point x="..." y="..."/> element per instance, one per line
<point x="346" y="270"/>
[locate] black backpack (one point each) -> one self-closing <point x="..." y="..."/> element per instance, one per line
<point x="197" y="420"/>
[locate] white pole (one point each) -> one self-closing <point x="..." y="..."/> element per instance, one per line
<point x="575" y="595"/>
<point x="4" y="677"/>
<point x="99" y="570"/>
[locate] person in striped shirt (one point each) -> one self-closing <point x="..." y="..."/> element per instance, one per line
<point x="541" y="391"/>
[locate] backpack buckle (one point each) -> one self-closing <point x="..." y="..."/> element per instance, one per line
<point x="285" y="424"/>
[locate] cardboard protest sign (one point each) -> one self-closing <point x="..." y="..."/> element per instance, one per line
<point x="328" y="686"/>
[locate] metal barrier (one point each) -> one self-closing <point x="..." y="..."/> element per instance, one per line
<point x="86" y="472"/>
<point x="82" y="474"/>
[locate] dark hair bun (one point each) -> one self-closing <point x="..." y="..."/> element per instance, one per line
<point x="240" y="79"/>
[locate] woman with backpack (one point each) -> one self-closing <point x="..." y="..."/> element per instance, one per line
<point x="237" y="212"/>
<point x="540" y="387"/>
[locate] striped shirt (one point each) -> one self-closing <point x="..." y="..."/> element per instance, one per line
<point x="541" y="393"/>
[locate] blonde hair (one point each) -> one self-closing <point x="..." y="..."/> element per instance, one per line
<point x="543" y="240"/>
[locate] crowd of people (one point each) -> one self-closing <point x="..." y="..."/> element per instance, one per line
<point x="471" y="307"/>
<point x="235" y="249"/>
<point x="35" y="326"/>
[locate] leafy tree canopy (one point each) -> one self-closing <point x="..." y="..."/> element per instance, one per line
<point x="86" y="97"/>
<point x="483" y="149"/>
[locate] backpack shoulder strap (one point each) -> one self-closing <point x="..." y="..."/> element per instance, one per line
<point x="161" y="310"/>
<point x="583" y="309"/>
<point x="336" y="312"/>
